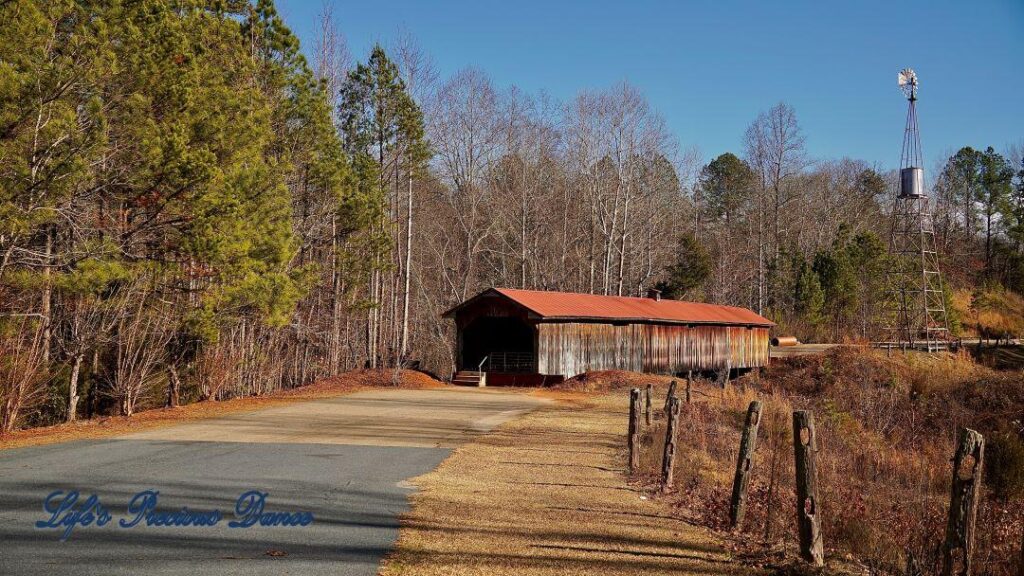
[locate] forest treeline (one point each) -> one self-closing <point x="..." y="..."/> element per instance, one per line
<point x="190" y="209"/>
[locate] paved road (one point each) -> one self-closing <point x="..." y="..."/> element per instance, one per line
<point x="344" y="459"/>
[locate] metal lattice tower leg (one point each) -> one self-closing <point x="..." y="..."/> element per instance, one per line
<point x="919" y="317"/>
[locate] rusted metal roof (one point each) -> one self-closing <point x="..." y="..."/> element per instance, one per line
<point x="571" y="306"/>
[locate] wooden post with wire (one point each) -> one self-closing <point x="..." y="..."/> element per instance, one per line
<point x="689" y="378"/>
<point x="1020" y="561"/>
<point x="670" y="395"/>
<point x="634" y="430"/>
<point x="668" y="460"/>
<point x="650" y="393"/>
<point x="805" y="446"/>
<point x="744" y="463"/>
<point x="963" y="504"/>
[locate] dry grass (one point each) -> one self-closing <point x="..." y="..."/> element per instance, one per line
<point x="104" y="427"/>
<point x="886" y="429"/>
<point x="546" y="494"/>
<point x="997" y="313"/>
<point x="608" y="380"/>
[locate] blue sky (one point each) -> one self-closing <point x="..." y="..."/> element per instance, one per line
<point x="710" y="66"/>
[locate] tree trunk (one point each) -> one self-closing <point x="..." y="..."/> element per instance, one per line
<point x="47" y="303"/>
<point x="76" y="368"/>
<point x="408" y="277"/>
<point x="622" y="245"/>
<point x="174" y="387"/>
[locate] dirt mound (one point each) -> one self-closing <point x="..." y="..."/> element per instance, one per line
<point x="368" y="378"/>
<point x="600" y="380"/>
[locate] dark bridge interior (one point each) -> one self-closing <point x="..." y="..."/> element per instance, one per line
<point x="504" y="344"/>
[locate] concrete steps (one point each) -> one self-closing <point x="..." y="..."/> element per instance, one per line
<point x="470" y="378"/>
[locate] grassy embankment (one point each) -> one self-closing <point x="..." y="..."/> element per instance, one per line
<point x="993" y="313"/>
<point x="887" y="429"/>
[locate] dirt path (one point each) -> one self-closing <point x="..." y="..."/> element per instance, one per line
<point x="546" y="494"/>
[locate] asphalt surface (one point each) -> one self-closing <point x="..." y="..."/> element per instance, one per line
<point x="346" y="460"/>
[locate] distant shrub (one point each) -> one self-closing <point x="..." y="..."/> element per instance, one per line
<point x="1004" y="465"/>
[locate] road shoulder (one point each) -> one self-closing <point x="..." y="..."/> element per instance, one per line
<point x="146" y="420"/>
<point x="547" y="494"/>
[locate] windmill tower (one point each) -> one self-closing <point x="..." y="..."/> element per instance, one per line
<point x="918" y="305"/>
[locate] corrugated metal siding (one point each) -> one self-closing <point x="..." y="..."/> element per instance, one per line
<point x="572" y="348"/>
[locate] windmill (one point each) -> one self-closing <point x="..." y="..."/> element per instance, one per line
<point x="918" y="308"/>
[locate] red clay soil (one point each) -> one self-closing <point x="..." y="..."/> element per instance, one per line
<point x="106" y="426"/>
<point x="367" y="379"/>
<point x="601" y="380"/>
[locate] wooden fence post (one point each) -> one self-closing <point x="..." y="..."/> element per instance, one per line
<point x="671" y="393"/>
<point x="913" y="566"/>
<point x="689" y="378"/>
<point x="744" y="462"/>
<point x="668" y="460"/>
<point x="805" y="445"/>
<point x="1020" y="565"/>
<point x="634" y="430"/>
<point x="650" y="392"/>
<point x="963" y="504"/>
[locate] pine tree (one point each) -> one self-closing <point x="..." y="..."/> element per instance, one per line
<point x="808" y="296"/>
<point x="726" y="184"/>
<point x="383" y="133"/>
<point x="690" y="271"/>
<point x="995" y="180"/>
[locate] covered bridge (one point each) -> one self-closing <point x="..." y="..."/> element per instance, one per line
<point x="532" y="337"/>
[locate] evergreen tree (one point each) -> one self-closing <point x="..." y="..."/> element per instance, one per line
<point x="994" y="184"/>
<point x="383" y="133"/>
<point x="726" y="184"/>
<point x="692" y="268"/>
<point x="808" y="297"/>
<point x="961" y="174"/>
<point x="160" y="156"/>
